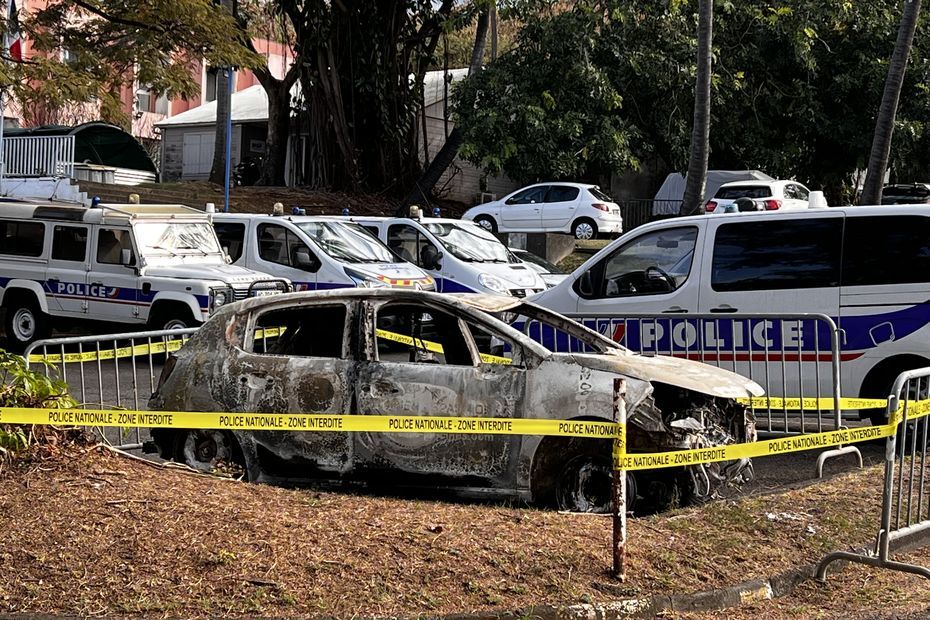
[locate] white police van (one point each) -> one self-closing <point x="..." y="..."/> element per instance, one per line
<point x="158" y="265"/>
<point x="460" y="255"/>
<point x="868" y="268"/>
<point x="315" y="252"/>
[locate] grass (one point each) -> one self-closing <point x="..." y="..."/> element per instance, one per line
<point x="166" y="542"/>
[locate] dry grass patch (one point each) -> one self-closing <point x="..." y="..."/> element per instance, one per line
<point x="97" y="534"/>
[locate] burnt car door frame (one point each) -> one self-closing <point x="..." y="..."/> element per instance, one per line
<point x="475" y="463"/>
<point x="301" y="385"/>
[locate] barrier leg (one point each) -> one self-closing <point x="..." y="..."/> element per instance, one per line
<point x="828" y="454"/>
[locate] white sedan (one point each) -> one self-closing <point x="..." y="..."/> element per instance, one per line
<point x="577" y="208"/>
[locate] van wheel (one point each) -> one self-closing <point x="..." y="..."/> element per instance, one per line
<point x="25" y="323"/>
<point x="584" y="229"/>
<point x="172" y="317"/>
<point x="486" y="222"/>
<point x="878" y="383"/>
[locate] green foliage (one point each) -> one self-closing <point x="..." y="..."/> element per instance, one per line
<point x="546" y="109"/>
<point x="89" y="51"/>
<point x="795" y="90"/>
<point x="21" y="387"/>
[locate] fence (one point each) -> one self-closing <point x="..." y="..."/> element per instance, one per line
<point x="96" y="369"/>
<point x="904" y="513"/>
<point x="642" y="211"/>
<point x="794" y="357"/>
<point x="39" y="156"/>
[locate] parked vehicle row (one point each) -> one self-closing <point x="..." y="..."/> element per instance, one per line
<point x="165" y="266"/>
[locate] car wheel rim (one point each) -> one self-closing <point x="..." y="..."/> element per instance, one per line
<point x="584" y="231"/>
<point x="585" y="486"/>
<point x="203" y="449"/>
<point x="175" y="324"/>
<point x="24" y="324"/>
<point x="485" y="224"/>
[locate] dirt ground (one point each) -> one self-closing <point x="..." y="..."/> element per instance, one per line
<point x="90" y="533"/>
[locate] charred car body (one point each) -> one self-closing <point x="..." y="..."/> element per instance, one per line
<point x="395" y="352"/>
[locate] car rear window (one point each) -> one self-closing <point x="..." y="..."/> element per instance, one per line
<point x="599" y="194"/>
<point x="744" y="191"/>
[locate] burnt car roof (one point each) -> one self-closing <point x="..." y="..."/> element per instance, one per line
<point x="681" y="372"/>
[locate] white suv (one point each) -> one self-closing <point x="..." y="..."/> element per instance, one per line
<point x="765" y="196"/>
<point x="577" y="208"/>
<point x="155" y="265"/>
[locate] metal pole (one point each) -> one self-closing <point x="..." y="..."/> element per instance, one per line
<point x="2" y="145"/>
<point x="619" y="482"/>
<point x="229" y="82"/>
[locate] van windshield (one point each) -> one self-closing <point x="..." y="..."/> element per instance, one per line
<point x="346" y="242"/>
<point x="176" y="238"/>
<point x="470" y="243"/>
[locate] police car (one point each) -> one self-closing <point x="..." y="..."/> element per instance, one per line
<point x="868" y="268"/>
<point x="155" y="265"/>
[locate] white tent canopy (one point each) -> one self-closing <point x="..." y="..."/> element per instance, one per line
<point x="668" y="198"/>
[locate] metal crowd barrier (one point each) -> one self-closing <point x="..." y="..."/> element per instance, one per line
<point x="906" y="495"/>
<point x="792" y="356"/>
<point x="92" y="366"/>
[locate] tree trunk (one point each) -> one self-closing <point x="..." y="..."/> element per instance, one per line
<point x="493" y="20"/>
<point x="279" y="128"/>
<point x="218" y="171"/>
<point x="700" y="132"/>
<point x="446" y="155"/>
<point x="884" y="123"/>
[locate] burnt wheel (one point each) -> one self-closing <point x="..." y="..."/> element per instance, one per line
<point x="203" y="449"/>
<point x="576" y="475"/>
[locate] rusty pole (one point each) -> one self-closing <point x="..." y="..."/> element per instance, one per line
<point x="619" y="482"/>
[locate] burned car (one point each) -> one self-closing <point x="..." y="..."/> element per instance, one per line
<point x="396" y="352"/>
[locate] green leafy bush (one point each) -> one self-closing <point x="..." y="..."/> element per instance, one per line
<point x="21" y="387"/>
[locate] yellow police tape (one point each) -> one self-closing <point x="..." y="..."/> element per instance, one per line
<point x="309" y="422"/>
<point x="760" y="402"/>
<point x="812" y="404"/>
<point x="678" y="458"/>
<point x="434" y="347"/>
<point x="162" y="346"/>
<point x="169" y="346"/>
<point x="461" y="425"/>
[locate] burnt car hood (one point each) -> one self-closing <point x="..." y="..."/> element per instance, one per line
<point x="682" y="373"/>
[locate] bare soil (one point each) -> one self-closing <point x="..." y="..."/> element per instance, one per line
<point x="90" y="533"/>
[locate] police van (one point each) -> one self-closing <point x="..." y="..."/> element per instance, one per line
<point x="460" y="255"/>
<point x="868" y="268"/>
<point x="315" y="252"/>
<point x="155" y="265"/>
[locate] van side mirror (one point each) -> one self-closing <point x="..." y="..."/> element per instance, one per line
<point x="125" y="257"/>
<point x="586" y="284"/>
<point x="304" y="260"/>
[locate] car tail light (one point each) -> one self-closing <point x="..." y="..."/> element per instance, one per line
<point x="600" y="206"/>
<point x="710" y="206"/>
<point x="772" y="205"/>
